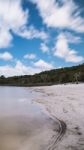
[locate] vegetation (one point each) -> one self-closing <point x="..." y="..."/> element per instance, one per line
<point x="73" y="74"/>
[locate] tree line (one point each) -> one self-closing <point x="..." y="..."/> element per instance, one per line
<point x="74" y="74"/>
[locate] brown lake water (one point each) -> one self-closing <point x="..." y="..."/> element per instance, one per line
<point x="24" y="125"/>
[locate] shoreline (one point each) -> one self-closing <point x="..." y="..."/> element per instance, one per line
<point x="66" y="103"/>
<point x="41" y="85"/>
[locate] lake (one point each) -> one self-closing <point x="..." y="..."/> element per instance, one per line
<point x="24" y="125"/>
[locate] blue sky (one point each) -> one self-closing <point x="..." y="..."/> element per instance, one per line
<point x="38" y="35"/>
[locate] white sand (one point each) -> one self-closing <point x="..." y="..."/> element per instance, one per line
<point x="66" y="102"/>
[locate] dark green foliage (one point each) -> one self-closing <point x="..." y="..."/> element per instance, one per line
<point x="73" y="74"/>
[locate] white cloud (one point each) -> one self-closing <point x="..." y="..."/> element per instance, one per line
<point x="18" y="69"/>
<point x="44" y="47"/>
<point x="43" y="65"/>
<point x="12" y="15"/>
<point x="65" y="16"/>
<point x="31" y="32"/>
<point x="21" y="69"/>
<point x="30" y="56"/>
<point x="72" y="38"/>
<point x="74" y="58"/>
<point x="5" y="38"/>
<point x="6" y="56"/>
<point x="14" y="18"/>
<point x="62" y="50"/>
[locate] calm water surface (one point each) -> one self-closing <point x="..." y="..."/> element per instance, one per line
<point x="23" y="124"/>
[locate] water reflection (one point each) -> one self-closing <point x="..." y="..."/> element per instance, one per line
<point x="23" y="125"/>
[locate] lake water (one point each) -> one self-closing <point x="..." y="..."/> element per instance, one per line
<point x="24" y="125"/>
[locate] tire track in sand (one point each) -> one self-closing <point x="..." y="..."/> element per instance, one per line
<point x="61" y="132"/>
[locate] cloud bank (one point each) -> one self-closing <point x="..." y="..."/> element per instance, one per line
<point x="66" y="15"/>
<point x="62" y="49"/>
<point x="62" y="16"/>
<point x="13" y="19"/>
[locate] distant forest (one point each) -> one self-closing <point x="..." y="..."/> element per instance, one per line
<point x="73" y="74"/>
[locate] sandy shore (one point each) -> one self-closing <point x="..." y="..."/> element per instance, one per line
<point x="24" y="125"/>
<point x="66" y="102"/>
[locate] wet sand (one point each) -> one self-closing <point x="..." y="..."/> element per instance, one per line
<point x="23" y="124"/>
<point x="21" y="133"/>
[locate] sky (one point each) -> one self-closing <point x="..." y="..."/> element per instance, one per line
<point x="39" y="35"/>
